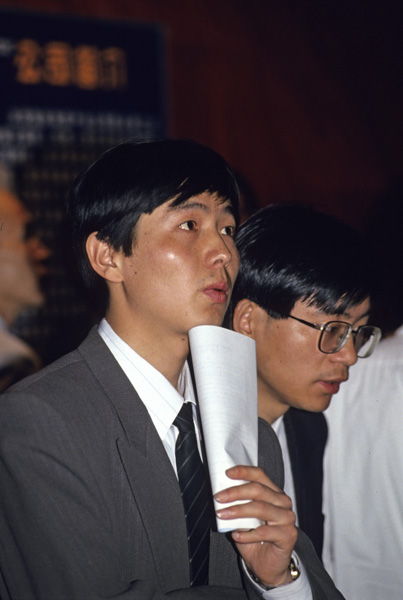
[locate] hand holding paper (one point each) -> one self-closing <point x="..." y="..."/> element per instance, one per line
<point x="226" y="381"/>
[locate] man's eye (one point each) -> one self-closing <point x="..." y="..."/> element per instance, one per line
<point x="228" y="230"/>
<point x="188" y="225"/>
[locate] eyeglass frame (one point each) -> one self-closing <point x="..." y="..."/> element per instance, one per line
<point x="350" y="330"/>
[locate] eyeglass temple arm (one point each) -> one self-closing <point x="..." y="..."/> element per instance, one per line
<point x="313" y="325"/>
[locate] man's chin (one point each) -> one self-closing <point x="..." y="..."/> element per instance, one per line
<point x="214" y="317"/>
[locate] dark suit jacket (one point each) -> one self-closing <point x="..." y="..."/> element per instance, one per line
<point x="90" y="507"/>
<point x="306" y="439"/>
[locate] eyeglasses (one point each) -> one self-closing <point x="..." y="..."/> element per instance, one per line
<point x="334" y="335"/>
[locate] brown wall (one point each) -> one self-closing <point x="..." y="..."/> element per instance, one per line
<point x="304" y="100"/>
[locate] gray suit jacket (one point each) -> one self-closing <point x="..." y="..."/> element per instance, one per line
<point x="90" y="506"/>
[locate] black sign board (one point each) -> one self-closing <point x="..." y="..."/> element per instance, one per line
<point x="70" y="88"/>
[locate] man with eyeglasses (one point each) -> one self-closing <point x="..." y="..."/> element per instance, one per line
<point x="303" y="294"/>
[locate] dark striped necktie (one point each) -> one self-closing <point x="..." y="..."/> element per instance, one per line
<point x="195" y="496"/>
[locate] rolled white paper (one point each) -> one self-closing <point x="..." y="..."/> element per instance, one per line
<point x="224" y="365"/>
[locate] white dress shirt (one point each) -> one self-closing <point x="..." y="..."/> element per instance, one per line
<point x="363" y="478"/>
<point x="163" y="403"/>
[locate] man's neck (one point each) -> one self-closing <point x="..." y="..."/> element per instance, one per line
<point x="269" y="408"/>
<point x="167" y="354"/>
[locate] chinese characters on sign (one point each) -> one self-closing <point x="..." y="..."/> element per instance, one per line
<point x="61" y="64"/>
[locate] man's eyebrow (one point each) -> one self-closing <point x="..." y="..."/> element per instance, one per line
<point x="364" y="314"/>
<point x="347" y="314"/>
<point x="196" y="204"/>
<point x="188" y="204"/>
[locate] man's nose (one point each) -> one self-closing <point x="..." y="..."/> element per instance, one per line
<point x="38" y="253"/>
<point x="347" y="354"/>
<point x="220" y="252"/>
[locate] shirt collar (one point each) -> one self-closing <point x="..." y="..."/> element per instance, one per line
<point x="161" y="399"/>
<point x="278" y="424"/>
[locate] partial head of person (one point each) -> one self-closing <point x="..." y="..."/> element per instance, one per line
<point x="303" y="294"/>
<point x="156" y="221"/>
<point x="21" y="254"/>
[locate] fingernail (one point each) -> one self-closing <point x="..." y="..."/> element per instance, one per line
<point x="224" y="514"/>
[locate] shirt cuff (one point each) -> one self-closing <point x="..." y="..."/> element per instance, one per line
<point x="299" y="589"/>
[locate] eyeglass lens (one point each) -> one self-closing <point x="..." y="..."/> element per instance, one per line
<point x="335" y="334"/>
<point x="333" y="337"/>
<point x="365" y="341"/>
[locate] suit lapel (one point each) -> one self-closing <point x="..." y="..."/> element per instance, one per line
<point x="306" y="438"/>
<point x="270" y="457"/>
<point x="155" y="490"/>
<point x="150" y="474"/>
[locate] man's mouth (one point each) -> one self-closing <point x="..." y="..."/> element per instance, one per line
<point x="218" y="292"/>
<point x="332" y="386"/>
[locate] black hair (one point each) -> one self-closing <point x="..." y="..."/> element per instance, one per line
<point x="291" y="252"/>
<point x="134" y="178"/>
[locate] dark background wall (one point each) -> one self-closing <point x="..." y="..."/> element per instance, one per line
<point x="303" y="98"/>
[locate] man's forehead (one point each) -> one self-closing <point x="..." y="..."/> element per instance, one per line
<point x="339" y="309"/>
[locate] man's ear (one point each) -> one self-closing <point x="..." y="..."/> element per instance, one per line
<point x="242" y="318"/>
<point x="103" y="258"/>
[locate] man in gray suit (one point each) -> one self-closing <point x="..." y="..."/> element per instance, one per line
<point x="90" y="506"/>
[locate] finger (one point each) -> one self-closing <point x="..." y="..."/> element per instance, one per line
<point x="254" y="491"/>
<point x="282" y="535"/>
<point x="268" y="514"/>
<point x="247" y="473"/>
